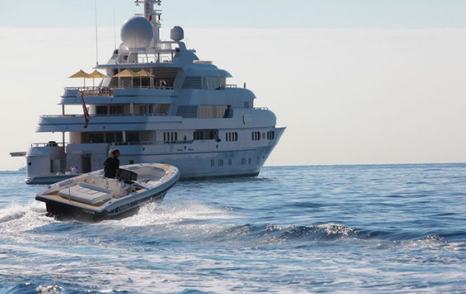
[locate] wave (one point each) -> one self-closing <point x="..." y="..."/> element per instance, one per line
<point x="285" y="233"/>
<point x="174" y="222"/>
<point x="304" y="236"/>
<point x="17" y="218"/>
<point x="173" y="213"/>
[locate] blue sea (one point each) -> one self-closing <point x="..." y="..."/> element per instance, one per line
<point x="345" y="229"/>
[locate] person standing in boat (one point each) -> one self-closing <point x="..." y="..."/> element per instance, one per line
<point x="112" y="164"/>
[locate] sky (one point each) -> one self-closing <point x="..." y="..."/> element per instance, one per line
<point x="354" y="82"/>
<point x="244" y="13"/>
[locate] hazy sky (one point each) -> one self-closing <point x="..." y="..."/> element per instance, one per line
<point x="354" y="81"/>
<point x="244" y="13"/>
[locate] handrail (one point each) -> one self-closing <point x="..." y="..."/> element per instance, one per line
<point x="49" y="144"/>
<point x="111" y="89"/>
<point x="151" y="143"/>
<point x="103" y="115"/>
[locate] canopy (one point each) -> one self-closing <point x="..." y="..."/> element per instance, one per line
<point x="98" y="75"/>
<point x="125" y="74"/>
<point x="81" y="74"/>
<point x="144" y="74"/>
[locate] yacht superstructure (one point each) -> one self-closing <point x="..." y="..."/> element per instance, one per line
<point x="157" y="102"/>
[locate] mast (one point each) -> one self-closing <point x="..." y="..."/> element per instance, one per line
<point x="152" y="14"/>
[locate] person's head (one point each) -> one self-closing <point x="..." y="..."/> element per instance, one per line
<point x="115" y="153"/>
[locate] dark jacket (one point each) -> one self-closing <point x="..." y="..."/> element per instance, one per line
<point x="111" y="166"/>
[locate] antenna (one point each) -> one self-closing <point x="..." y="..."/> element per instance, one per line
<point x="152" y="14"/>
<point x="114" y="30"/>
<point x="96" y="35"/>
<point x="149" y="11"/>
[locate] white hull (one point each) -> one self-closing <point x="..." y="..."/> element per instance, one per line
<point x="93" y="196"/>
<point x="192" y="165"/>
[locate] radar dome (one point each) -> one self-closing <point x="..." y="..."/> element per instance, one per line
<point x="177" y="34"/>
<point x="137" y="32"/>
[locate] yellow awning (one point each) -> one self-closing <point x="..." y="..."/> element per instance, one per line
<point x="125" y="74"/>
<point x="143" y="74"/>
<point x="98" y="75"/>
<point x="81" y="74"/>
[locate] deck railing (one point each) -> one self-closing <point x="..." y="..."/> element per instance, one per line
<point x="107" y="91"/>
<point x="49" y="144"/>
<point x="105" y="115"/>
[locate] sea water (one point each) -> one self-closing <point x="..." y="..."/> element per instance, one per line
<point x="345" y="229"/>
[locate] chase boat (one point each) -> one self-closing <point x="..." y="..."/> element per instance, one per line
<point x="96" y="197"/>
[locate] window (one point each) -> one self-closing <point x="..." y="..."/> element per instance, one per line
<point x="210" y="83"/>
<point x="116" y="137"/>
<point x="256" y="136"/>
<point x="220" y="162"/>
<point x="170" y="137"/>
<point x="110" y="137"/>
<point x="193" y="83"/>
<point x="205" y="135"/>
<point x="145" y="109"/>
<point x="132" y="137"/>
<point x="212" y="111"/>
<point x="231" y="136"/>
<point x="154" y="109"/>
<point x="214" y="83"/>
<point x="116" y="110"/>
<point x="94" y="138"/>
<point x="101" y="110"/>
<point x="187" y="111"/>
<point x="271" y="135"/>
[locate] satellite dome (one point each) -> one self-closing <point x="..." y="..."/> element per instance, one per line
<point x="177" y="34"/>
<point x="137" y="32"/>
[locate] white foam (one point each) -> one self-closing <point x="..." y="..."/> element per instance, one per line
<point x="54" y="289"/>
<point x="336" y="229"/>
<point x="18" y="218"/>
<point x="165" y="214"/>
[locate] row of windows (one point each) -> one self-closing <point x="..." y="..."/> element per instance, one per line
<point x="115" y="137"/>
<point x="256" y="136"/>
<point x="205" y="135"/>
<point x="145" y="109"/>
<point x="205" y="111"/>
<point x="244" y="161"/>
<point x="210" y="83"/>
<point x="110" y="110"/>
<point x="201" y="135"/>
<point x="231" y="136"/>
<point x="170" y="137"/>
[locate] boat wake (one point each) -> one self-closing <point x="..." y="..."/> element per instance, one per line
<point x="200" y="223"/>
<point x="14" y="212"/>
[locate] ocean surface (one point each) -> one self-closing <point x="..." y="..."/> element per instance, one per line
<point x="345" y="229"/>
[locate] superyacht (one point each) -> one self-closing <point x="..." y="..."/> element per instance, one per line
<point x="157" y="102"/>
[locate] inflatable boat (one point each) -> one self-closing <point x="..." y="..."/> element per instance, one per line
<point x="96" y="197"/>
